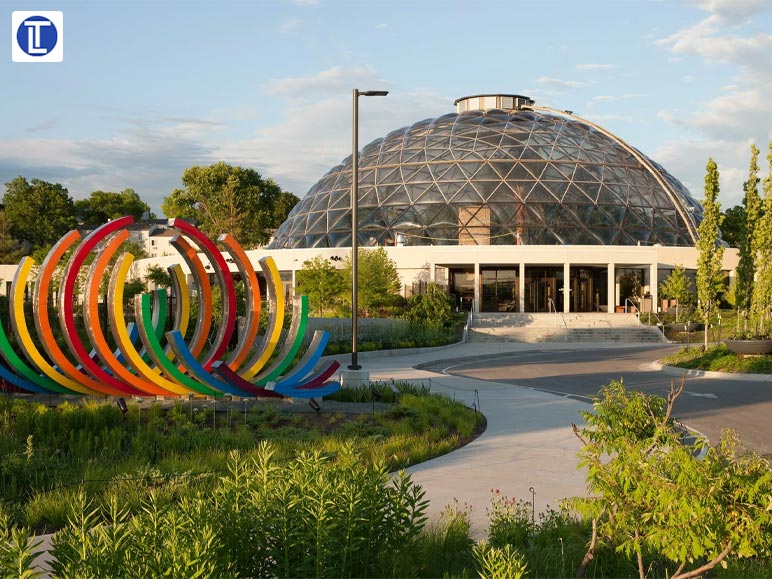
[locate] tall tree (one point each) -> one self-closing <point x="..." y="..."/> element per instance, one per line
<point x="11" y="251"/>
<point x="38" y="212"/>
<point x="431" y="308"/>
<point x="322" y="282"/>
<point x="711" y="252"/>
<point x="746" y="268"/>
<point x="225" y="199"/>
<point x="102" y="206"/>
<point x="761" y="306"/>
<point x="677" y="286"/>
<point x="733" y="223"/>
<point x="283" y="206"/>
<point x="378" y="281"/>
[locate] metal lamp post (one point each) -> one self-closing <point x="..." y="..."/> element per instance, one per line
<point x="354" y="218"/>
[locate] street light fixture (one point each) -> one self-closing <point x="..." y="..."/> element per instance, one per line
<point x="354" y="218"/>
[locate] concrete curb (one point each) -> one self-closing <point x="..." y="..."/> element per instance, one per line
<point x="690" y="373"/>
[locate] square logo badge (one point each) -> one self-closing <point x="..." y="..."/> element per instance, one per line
<point x="37" y="36"/>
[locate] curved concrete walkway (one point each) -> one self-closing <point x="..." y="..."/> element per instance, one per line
<point x="528" y="446"/>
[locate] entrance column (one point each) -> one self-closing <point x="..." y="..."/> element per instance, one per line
<point x="611" y="289"/>
<point x="521" y="288"/>
<point x="566" y="287"/>
<point x="653" y="283"/>
<point x="477" y="282"/>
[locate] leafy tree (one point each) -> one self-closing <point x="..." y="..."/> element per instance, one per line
<point x="431" y="308"/>
<point x="650" y="495"/>
<point x="226" y="199"/>
<point x="284" y="205"/>
<point x="102" y="206"/>
<point x="11" y="251"/>
<point x="158" y="276"/>
<point x="746" y="268"/>
<point x="38" y="212"/>
<point x="132" y="285"/>
<point x="761" y="306"/>
<point x="711" y="252"/>
<point x="378" y="282"/>
<point x="677" y="286"/>
<point x="132" y="288"/>
<point x="322" y="282"/>
<point x="733" y="223"/>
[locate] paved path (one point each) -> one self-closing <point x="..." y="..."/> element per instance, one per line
<point x="530" y="395"/>
<point x="528" y="444"/>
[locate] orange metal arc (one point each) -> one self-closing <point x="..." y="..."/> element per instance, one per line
<point x="43" y="322"/>
<point x="146" y="377"/>
<point x="204" y="321"/>
<point x="93" y="327"/>
<point x="252" y="287"/>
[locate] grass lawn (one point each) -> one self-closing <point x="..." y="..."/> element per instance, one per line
<point x="719" y="359"/>
<point x="49" y="453"/>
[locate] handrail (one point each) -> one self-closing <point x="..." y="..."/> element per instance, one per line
<point x="553" y="307"/>
<point x="467" y="326"/>
<point x="660" y="324"/>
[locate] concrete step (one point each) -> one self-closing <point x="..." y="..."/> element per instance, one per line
<point x="552" y="320"/>
<point x="533" y="334"/>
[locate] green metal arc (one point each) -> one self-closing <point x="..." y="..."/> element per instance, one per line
<point x="155" y="350"/>
<point x="291" y="345"/>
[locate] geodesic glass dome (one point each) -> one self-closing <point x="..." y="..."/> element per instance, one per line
<point x="497" y="176"/>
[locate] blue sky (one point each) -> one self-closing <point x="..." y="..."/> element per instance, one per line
<point x="148" y="88"/>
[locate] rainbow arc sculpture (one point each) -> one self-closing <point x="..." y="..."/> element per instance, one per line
<point x="146" y="360"/>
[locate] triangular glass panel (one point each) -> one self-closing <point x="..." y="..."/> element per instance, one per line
<point x="540" y="194"/>
<point x="454" y="173"/>
<point x="387" y="176"/>
<point x="469" y="169"/>
<point x="368" y="197"/>
<point x="430" y="195"/>
<point x="467" y="194"/>
<point x="521" y="172"/>
<point x="413" y="155"/>
<point x="585" y="173"/>
<point x="343" y="200"/>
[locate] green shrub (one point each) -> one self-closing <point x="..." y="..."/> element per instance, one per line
<point x="309" y="517"/>
<point x="499" y="562"/>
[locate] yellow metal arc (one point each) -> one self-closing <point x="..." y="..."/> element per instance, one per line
<point x="121" y="334"/>
<point x="94" y="328"/>
<point x="252" y="291"/>
<point x="22" y="332"/>
<point x="275" y="322"/>
<point x="182" y="301"/>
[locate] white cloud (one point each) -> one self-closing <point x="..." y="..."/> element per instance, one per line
<point x="381" y="26"/>
<point x="737" y="114"/>
<point x="617" y="97"/>
<point x="687" y="159"/>
<point x="596" y="66"/>
<point x="559" y="84"/>
<point x="709" y="39"/>
<point x="316" y="134"/>
<point x="288" y="25"/>
<point x="335" y="80"/>
<point x="733" y="11"/>
<point x="602" y="119"/>
<point x="740" y="114"/>
<point x="148" y="157"/>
